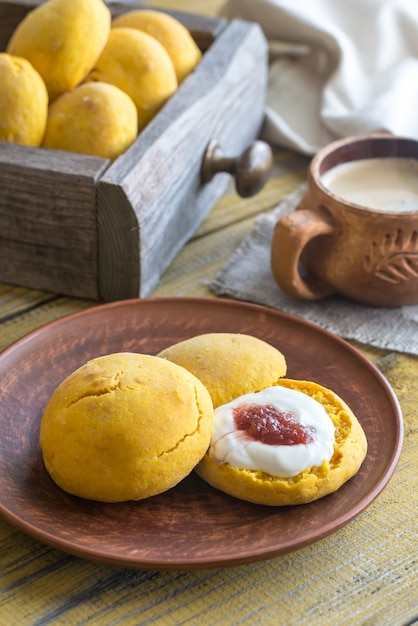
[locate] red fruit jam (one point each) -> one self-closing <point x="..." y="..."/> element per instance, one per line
<point x="269" y="425"/>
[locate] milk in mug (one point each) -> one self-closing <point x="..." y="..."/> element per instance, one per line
<point x="385" y="184"/>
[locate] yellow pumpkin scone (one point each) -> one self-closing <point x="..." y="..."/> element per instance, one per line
<point x="291" y="443"/>
<point x="23" y="102"/>
<point x="94" y="118"/>
<point x="62" y="39"/>
<point x="171" y="33"/>
<point x="228" y="364"/>
<point x="140" y="66"/>
<point x="125" y="426"/>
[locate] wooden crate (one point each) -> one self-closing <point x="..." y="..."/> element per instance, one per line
<point x="85" y="227"/>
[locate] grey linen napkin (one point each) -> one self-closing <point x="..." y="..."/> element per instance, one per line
<point x="247" y="276"/>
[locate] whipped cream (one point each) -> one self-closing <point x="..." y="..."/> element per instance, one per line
<point x="236" y="447"/>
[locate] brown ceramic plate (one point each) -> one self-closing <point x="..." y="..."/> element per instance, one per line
<point x="191" y="526"/>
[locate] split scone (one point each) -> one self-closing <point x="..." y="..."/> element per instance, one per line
<point x="125" y="426"/>
<point x="291" y="443"/>
<point x="228" y="364"/>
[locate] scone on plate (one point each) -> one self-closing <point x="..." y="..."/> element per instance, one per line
<point x="291" y="443"/>
<point x="228" y="364"/>
<point x="125" y="426"/>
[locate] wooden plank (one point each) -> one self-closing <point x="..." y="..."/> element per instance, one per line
<point x="14" y="301"/>
<point x="11" y="13"/>
<point x="48" y="235"/>
<point x="45" y="311"/>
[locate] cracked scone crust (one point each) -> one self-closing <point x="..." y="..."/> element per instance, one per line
<point x="125" y="426"/>
<point x="315" y="482"/>
<point x="229" y="364"/>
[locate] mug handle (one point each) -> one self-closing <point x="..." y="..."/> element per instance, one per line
<point x="291" y="235"/>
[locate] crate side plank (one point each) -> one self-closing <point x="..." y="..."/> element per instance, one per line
<point x="155" y="188"/>
<point x="48" y="232"/>
<point x="11" y="13"/>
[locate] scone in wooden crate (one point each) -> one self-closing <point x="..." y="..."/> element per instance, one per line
<point x="86" y="227"/>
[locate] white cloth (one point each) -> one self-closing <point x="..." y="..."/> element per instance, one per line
<point x="360" y="75"/>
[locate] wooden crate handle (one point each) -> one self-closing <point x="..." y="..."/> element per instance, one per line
<point x="250" y="170"/>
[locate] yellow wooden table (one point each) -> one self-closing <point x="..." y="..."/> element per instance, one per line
<point x="364" y="574"/>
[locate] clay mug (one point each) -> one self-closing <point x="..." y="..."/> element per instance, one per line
<point x="364" y="247"/>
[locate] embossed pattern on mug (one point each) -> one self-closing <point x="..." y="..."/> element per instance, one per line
<point x="395" y="258"/>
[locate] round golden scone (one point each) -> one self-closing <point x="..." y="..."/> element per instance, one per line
<point x="23" y="102"/>
<point x="62" y="39"/>
<point x="171" y="33"/>
<point x="261" y="488"/>
<point x="228" y="364"/>
<point x="94" y="118"/>
<point x="139" y="65"/>
<point x="125" y="426"/>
